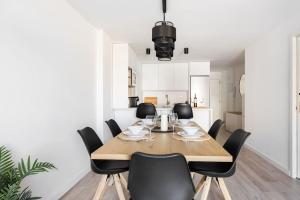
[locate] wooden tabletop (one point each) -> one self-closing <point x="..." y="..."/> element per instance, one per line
<point x="163" y="143"/>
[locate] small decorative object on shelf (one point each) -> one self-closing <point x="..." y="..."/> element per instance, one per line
<point x="195" y="101"/>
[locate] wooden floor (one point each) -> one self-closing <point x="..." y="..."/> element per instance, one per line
<point x="255" y="178"/>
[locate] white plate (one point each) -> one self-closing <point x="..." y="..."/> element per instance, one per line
<point x="197" y="135"/>
<point x="142" y="134"/>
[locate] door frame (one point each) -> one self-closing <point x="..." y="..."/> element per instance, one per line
<point x="293" y="108"/>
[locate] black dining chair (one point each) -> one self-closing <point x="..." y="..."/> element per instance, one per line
<point x="114" y="127"/>
<point x="183" y="110"/>
<point x="215" y="128"/>
<point x="107" y="168"/>
<point x="145" y="109"/>
<point x="220" y="170"/>
<point x="159" y="177"/>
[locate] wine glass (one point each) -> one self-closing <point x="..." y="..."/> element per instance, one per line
<point x="173" y="120"/>
<point x="150" y="122"/>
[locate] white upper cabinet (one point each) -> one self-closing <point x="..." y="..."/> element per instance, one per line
<point x="170" y="76"/>
<point x="181" y="76"/>
<point x="200" y="68"/>
<point x="166" y="76"/>
<point x="150" y="76"/>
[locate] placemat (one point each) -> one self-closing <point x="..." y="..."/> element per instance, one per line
<point x="200" y="139"/>
<point x="122" y="136"/>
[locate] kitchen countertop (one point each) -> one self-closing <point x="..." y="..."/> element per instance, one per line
<point x="163" y="108"/>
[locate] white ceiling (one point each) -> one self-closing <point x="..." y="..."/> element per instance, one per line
<point x="217" y="30"/>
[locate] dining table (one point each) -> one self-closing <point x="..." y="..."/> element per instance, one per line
<point x="206" y="150"/>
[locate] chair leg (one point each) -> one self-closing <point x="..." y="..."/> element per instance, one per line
<point x="119" y="187"/>
<point x="217" y="182"/>
<point x="206" y="188"/>
<point x="101" y="187"/>
<point x="192" y="175"/>
<point x="110" y="180"/>
<point x="123" y="180"/>
<point x="200" y="186"/>
<point x="224" y="189"/>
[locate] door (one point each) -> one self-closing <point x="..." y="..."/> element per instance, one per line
<point x="149" y="76"/>
<point x="181" y="76"/>
<point x="166" y="76"/>
<point x="215" y="98"/>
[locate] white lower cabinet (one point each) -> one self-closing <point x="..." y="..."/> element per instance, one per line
<point x="203" y="117"/>
<point x="125" y="117"/>
<point x="165" y="111"/>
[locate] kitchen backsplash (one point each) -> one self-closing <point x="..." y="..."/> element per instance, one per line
<point x="174" y="96"/>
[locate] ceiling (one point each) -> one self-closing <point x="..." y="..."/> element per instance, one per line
<point x="216" y="30"/>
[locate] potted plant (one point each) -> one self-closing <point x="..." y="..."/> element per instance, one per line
<point x="11" y="175"/>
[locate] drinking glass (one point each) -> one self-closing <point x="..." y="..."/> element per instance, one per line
<point x="173" y="120"/>
<point x="150" y="122"/>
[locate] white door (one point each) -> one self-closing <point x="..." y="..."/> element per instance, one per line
<point x="166" y="76"/>
<point x="181" y="76"/>
<point x="215" y="98"/>
<point x="150" y="76"/>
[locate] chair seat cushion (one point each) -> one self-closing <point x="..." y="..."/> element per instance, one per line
<point x="213" y="169"/>
<point x="109" y="166"/>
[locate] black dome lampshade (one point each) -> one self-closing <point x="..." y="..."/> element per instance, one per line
<point x="164" y="37"/>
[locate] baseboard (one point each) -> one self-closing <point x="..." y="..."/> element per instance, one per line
<point x="68" y="186"/>
<point x="269" y="160"/>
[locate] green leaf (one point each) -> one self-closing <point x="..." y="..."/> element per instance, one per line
<point x="11" y="175"/>
<point x="11" y="192"/>
<point x="6" y="162"/>
<point x="35" y="168"/>
<point x="26" y="195"/>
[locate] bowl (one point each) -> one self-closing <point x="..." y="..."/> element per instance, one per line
<point x="190" y="130"/>
<point x="184" y="121"/>
<point x="135" y="130"/>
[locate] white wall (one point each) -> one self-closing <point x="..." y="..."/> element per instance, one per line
<point x="48" y="88"/>
<point x="267" y="99"/>
<point x="105" y="82"/>
<point x="120" y="75"/>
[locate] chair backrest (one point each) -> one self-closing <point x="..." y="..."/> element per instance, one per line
<point x="145" y="109"/>
<point x="114" y="127"/>
<point x="235" y="142"/>
<point x="183" y="110"/>
<point x="160" y="177"/>
<point x="215" y="128"/>
<point x="90" y="139"/>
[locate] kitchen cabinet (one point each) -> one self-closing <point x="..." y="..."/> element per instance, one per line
<point x="165" y="111"/>
<point x="200" y="68"/>
<point x="165" y="76"/>
<point x="150" y="76"/>
<point x="203" y="117"/>
<point x="181" y="76"/>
